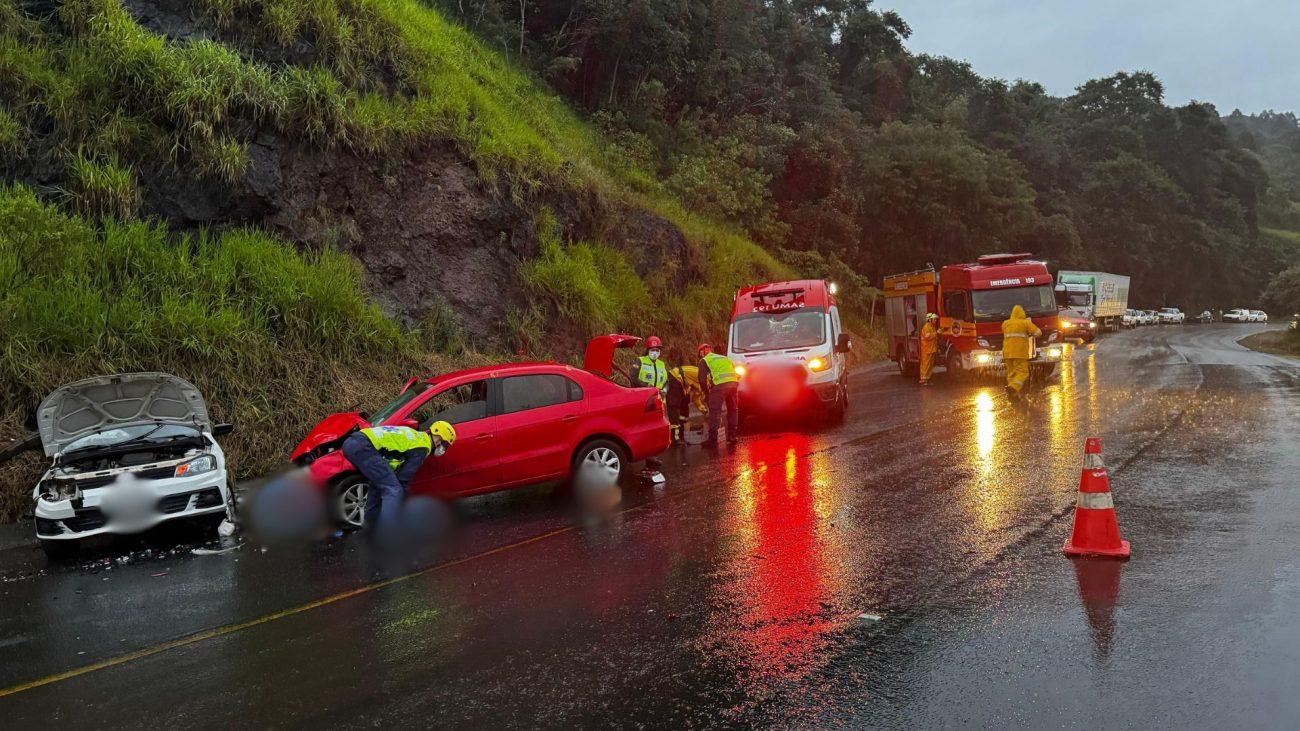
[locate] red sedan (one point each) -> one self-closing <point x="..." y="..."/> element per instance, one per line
<point x="516" y="424"/>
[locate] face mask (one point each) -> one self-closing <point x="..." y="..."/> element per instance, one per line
<point x="440" y="450"/>
<point x="654" y="355"/>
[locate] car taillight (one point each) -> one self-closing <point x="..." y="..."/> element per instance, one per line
<point x="654" y="404"/>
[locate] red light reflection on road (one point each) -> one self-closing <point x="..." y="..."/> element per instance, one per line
<point x="782" y="585"/>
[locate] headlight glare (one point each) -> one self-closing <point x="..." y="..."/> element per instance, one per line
<point x="818" y="364"/>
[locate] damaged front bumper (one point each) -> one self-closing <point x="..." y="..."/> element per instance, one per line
<point x="176" y="498"/>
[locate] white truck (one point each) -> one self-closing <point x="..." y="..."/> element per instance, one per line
<point x="1095" y="296"/>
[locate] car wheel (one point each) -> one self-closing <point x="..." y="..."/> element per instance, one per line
<point x="600" y="460"/>
<point x="59" y="550"/>
<point x="348" y="502"/>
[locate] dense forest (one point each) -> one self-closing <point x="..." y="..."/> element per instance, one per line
<point x="811" y="125"/>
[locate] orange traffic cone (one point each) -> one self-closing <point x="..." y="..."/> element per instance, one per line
<point x="1096" y="529"/>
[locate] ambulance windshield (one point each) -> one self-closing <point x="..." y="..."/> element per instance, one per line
<point x="757" y="331"/>
<point x="994" y="305"/>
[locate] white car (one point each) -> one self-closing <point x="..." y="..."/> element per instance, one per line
<point x="1259" y="316"/>
<point x="128" y="452"/>
<point x="1170" y="315"/>
<point x="1149" y="317"/>
<point x="1129" y="319"/>
<point x="1238" y="316"/>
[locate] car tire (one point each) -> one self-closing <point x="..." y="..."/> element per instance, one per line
<point x="600" y="454"/>
<point x="59" y="550"/>
<point x="347" y="505"/>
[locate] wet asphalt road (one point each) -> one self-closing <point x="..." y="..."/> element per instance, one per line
<point x="733" y="595"/>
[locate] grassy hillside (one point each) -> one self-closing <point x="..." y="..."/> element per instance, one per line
<point x="96" y="108"/>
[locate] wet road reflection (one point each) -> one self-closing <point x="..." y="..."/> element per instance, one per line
<point x="731" y="595"/>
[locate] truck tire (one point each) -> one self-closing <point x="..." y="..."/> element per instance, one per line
<point x="906" y="369"/>
<point x="1040" y="372"/>
<point x="955" y="371"/>
<point x="837" y="412"/>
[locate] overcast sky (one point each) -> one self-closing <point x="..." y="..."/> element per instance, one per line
<point x="1236" y="54"/>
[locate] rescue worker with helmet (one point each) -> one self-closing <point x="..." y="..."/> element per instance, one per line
<point x="1018" y="339"/>
<point x="721" y="386"/>
<point x="388" y="457"/>
<point x="650" y="369"/>
<point x="929" y="346"/>
<point x="683" y="390"/>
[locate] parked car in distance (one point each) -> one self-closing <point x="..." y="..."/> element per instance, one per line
<point x="127" y="451"/>
<point x="1205" y="317"/>
<point x="1237" y="316"/>
<point x="1171" y="316"/>
<point x="1259" y="316"/>
<point x="516" y="424"/>
<point x="1149" y="317"/>
<point x="1129" y="319"/>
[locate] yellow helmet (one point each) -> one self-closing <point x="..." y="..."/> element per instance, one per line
<point x="444" y="431"/>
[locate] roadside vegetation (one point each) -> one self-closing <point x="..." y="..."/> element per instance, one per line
<point x="811" y="126"/>
<point x="94" y="107"/>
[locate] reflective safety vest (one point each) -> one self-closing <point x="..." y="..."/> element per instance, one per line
<point x="652" y="373"/>
<point x="721" y="369"/>
<point x="393" y="442"/>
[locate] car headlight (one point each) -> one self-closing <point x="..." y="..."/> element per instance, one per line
<point x="196" y="466"/>
<point x="1067" y="324"/>
<point x="1053" y="352"/>
<point x="983" y="358"/>
<point x="818" y="364"/>
<point x="740" y="370"/>
<point x="1092" y="325"/>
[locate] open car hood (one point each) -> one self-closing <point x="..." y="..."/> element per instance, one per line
<point x="107" y="402"/>
<point x="599" y="358"/>
<point x="329" y="429"/>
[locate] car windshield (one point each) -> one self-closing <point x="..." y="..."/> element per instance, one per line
<point x="396" y="404"/>
<point x="994" y="305"/>
<point x="802" y="328"/>
<point x="144" y="433"/>
<point x="1075" y="299"/>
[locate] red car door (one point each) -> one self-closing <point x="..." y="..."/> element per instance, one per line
<point x="541" y="415"/>
<point x="473" y="463"/>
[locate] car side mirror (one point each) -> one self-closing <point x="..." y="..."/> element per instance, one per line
<point x="844" y="344"/>
<point x="221" y="430"/>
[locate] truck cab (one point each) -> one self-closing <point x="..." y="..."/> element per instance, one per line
<point x="789" y="348"/>
<point x="972" y="300"/>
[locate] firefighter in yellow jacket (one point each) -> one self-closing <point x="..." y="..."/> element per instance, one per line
<point x="1018" y="338"/>
<point x="929" y="346"/>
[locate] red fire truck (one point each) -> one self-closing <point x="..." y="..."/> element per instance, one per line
<point x="972" y="300"/>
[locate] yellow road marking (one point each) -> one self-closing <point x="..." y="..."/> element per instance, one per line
<point x="232" y="628"/>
